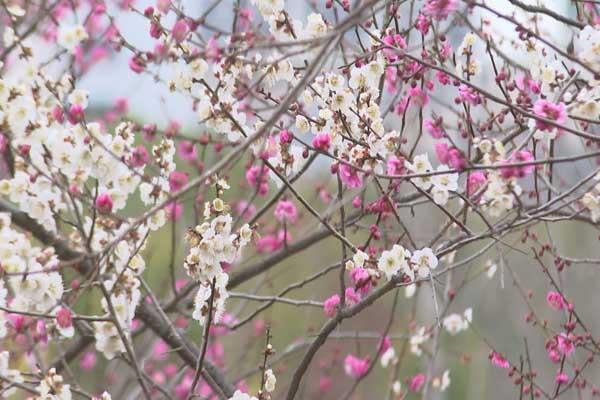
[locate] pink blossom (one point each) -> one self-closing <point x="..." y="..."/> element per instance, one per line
<point x="285" y="137"/>
<point x="476" y="180"/>
<point x="64" y="318"/>
<point x="416" y="383"/>
<point x="361" y="279"/>
<point x="187" y="151"/>
<point x="442" y="151"/>
<point x="180" y="31"/>
<point x="322" y="141"/>
<point x="443" y="78"/>
<point x="183" y="388"/>
<point x="213" y="52"/>
<point x="163" y="5"/>
<point x="88" y="361"/>
<point x="330" y="305"/>
<point x="525" y="83"/>
<point x="41" y="333"/>
<point x="434" y="128"/>
<point x="393" y="44"/>
<point x="245" y="18"/>
<point x="256" y="176"/>
<point x="352" y="297"/>
<point x="267" y="244"/>
<point x="391" y="78"/>
<point x="104" y="203"/>
<point x="468" y="95"/>
<point x="423" y="24"/>
<point x="350" y="176"/>
<point x="356" y="367"/>
<point x="172" y="129"/>
<point x="58" y="114"/>
<point x="440" y="9"/>
<point x="555" y="300"/>
<point x="160" y="351"/>
<point x="499" y="361"/>
<point x="75" y="114"/>
<point x="286" y="211"/>
<point x="386" y="343"/>
<point x="136" y="64"/>
<point x="456" y="159"/>
<point x="177" y="180"/>
<point x="245" y="209"/>
<point x="395" y="166"/>
<point x="139" y="157"/>
<point x="561" y="378"/>
<point x="174" y="210"/>
<point x="521" y="156"/>
<point x="418" y="96"/>
<point x="324" y="384"/>
<point x="565" y="344"/>
<point x="121" y="105"/>
<point x="548" y="110"/>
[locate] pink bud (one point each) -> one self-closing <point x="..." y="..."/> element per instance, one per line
<point x="416" y="383"/>
<point x="285" y="137"/>
<point x="136" y="64"/>
<point x="75" y="114"/>
<point x="180" y="31"/>
<point x="331" y="305"/>
<point x="104" y="203"/>
<point x="322" y="141"/>
<point x="177" y="180"/>
<point x="139" y="156"/>
<point x="64" y="319"/>
<point x="88" y="361"/>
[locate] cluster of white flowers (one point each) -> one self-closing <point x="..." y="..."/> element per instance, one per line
<point x="416" y="341"/>
<point x="9" y="375"/>
<point x="587" y="49"/>
<point x="70" y="36"/>
<point x="591" y="201"/>
<point x="270" y="381"/>
<point x="439" y="183"/>
<point x="53" y="388"/>
<point x="499" y="195"/>
<point x="284" y="27"/>
<point x="441" y="383"/>
<point x="239" y="395"/>
<point x="455" y="323"/>
<point x="418" y="264"/>
<point x="54" y="155"/>
<point x="34" y="281"/>
<point x="211" y="244"/>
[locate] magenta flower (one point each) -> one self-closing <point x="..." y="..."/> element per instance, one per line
<point x="499" y="361"/>
<point x="187" y="151"/>
<point x="322" y="141"/>
<point x="330" y="305"/>
<point x="180" y="31"/>
<point x="554" y="112"/>
<point x="356" y="367"/>
<point x="177" y="180"/>
<point x="350" y="176"/>
<point x="104" y="203"/>
<point x="440" y="9"/>
<point x="286" y="211"/>
<point x="522" y="156"/>
<point x="555" y="300"/>
<point x="416" y="383"/>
